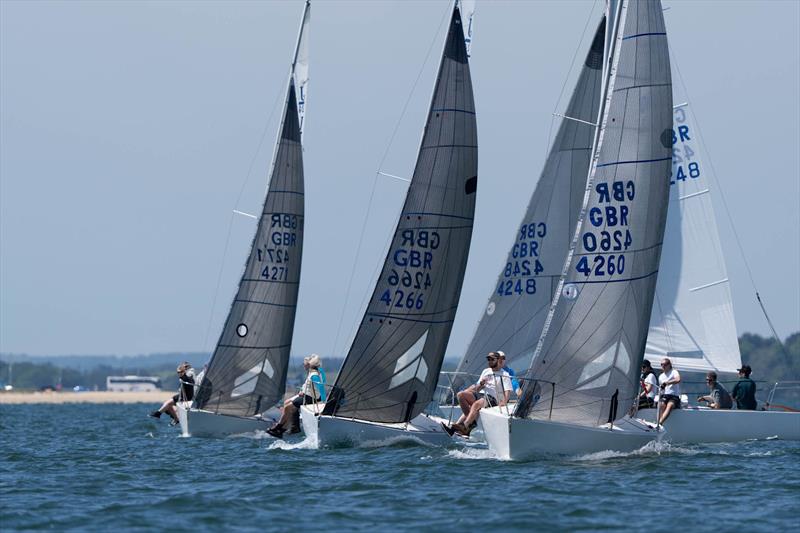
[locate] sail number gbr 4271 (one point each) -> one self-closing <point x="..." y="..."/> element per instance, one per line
<point x="274" y="254"/>
<point x="607" y="234"/>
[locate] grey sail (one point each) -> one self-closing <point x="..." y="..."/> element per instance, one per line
<point x="247" y="373"/>
<point x="516" y="310"/>
<point x="593" y="340"/>
<point x="392" y="367"/>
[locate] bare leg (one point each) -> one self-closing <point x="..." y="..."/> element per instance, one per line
<point x="465" y="400"/>
<point x="474" y="411"/>
<point x="665" y="414"/>
<point x="288" y="411"/>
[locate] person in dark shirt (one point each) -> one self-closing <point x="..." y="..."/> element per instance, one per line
<point x="185" y="393"/>
<point x="744" y="392"/>
<point x="718" y="396"/>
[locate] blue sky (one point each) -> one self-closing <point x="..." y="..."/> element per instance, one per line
<point x="127" y="130"/>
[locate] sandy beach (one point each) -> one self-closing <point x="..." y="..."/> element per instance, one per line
<point x="153" y="397"/>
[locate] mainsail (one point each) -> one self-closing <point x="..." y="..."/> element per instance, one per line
<point x="393" y="365"/>
<point x="247" y="373"/>
<point x="692" y="321"/>
<point x="517" y="307"/>
<point x="588" y="357"/>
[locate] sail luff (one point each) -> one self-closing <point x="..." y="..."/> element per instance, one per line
<point x="392" y="367"/>
<point x="522" y="293"/>
<point x="247" y="372"/>
<point x="606" y="94"/>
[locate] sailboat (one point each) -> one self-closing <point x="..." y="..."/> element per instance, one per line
<point x="246" y="375"/>
<point x="584" y="370"/>
<point x="391" y="369"/>
<point x="692" y="321"/>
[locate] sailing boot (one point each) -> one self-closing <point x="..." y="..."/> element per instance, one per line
<point x="276" y="431"/>
<point x="155" y="414"/>
<point x="449" y="429"/>
<point x="461" y="429"/>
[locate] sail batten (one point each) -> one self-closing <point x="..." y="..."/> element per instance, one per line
<point x="392" y="366"/>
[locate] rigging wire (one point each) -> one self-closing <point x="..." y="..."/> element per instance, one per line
<point x="567" y="77"/>
<point x="718" y="184"/>
<point x="375" y="181"/>
<point x="230" y="220"/>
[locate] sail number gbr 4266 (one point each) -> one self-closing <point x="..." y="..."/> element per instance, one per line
<point x="607" y="234"/>
<point x="408" y="272"/>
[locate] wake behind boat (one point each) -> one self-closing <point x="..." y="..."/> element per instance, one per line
<point x="392" y="367"/>
<point x="246" y="376"/>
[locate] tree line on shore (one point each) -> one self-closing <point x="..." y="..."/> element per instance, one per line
<point x="769" y="360"/>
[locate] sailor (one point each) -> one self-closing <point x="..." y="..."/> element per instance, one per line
<point x="744" y="392"/>
<point x="185" y="393"/>
<point x="669" y="382"/>
<point x="649" y="384"/>
<point x="312" y="391"/>
<point x="514" y="382"/>
<point x="492" y="389"/>
<point x="718" y="396"/>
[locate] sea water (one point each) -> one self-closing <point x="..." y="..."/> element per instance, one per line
<point x="108" y="467"/>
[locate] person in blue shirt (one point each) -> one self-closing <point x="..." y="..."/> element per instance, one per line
<point x="312" y="391"/>
<point x="514" y="381"/>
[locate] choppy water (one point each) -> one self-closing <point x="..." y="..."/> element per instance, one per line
<point x="104" y="467"/>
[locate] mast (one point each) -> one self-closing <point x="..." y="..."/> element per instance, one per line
<point x="518" y="305"/>
<point x="588" y="355"/>
<point x="247" y="372"/>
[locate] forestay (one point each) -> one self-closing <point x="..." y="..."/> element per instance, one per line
<point x="392" y="367"/>
<point x="247" y="373"/>
<point x="513" y="317"/>
<point x="594" y="336"/>
<point x="692" y="321"/>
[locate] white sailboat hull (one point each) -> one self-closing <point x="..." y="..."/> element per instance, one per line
<point x="201" y="423"/>
<point x="522" y="438"/>
<point x="330" y="431"/>
<point x="702" y="425"/>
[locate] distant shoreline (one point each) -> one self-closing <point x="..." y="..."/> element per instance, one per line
<point x="153" y="397"/>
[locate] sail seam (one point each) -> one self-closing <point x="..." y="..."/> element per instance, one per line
<point x="615" y="280"/>
<point x="263" y="303"/>
<point x="634" y="162"/>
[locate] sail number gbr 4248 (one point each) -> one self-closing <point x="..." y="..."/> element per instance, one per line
<point x="607" y="233"/>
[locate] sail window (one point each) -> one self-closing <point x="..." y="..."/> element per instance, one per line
<point x="596" y="383"/>
<point x="241" y="330"/>
<point x="602" y="362"/>
<point x="407" y="368"/>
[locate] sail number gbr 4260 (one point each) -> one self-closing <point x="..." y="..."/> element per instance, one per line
<point x="607" y="234"/>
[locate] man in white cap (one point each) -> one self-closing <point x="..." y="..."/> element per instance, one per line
<point x="492" y="389"/>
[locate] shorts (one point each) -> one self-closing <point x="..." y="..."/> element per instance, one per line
<point x="646" y="402"/>
<point x="304" y="399"/>
<point x="676" y="401"/>
<point x="491" y="401"/>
